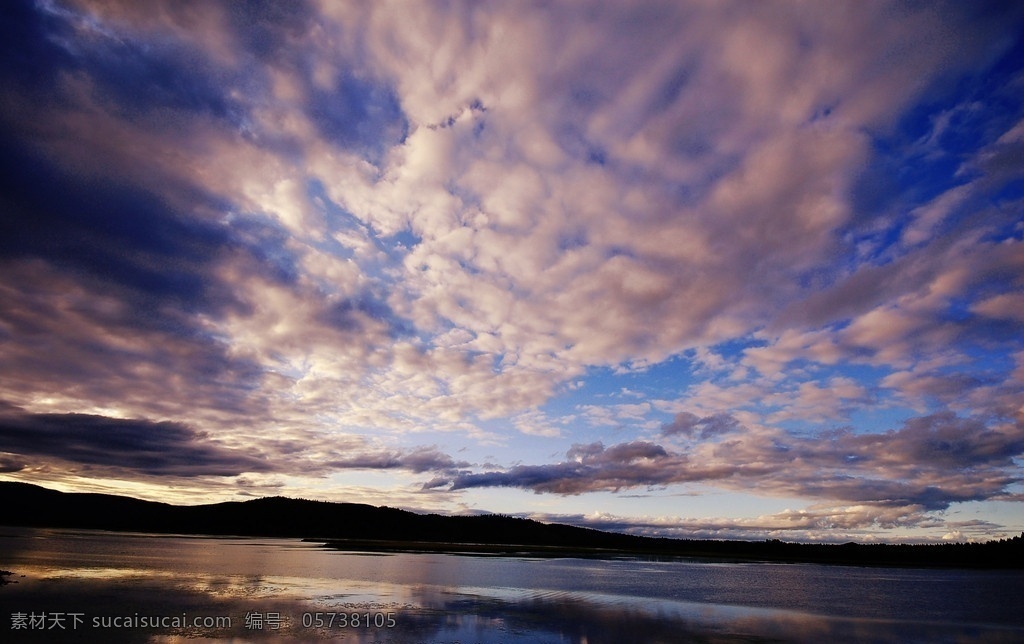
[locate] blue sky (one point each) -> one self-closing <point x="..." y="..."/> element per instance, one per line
<point x="738" y="270"/>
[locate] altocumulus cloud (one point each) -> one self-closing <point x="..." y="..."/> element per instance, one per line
<point x="288" y="240"/>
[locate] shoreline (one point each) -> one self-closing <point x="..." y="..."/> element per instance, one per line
<point x="368" y="528"/>
<point x="394" y="546"/>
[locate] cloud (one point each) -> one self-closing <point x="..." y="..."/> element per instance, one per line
<point x="693" y="426"/>
<point x="156" y="448"/>
<point x="423" y="459"/>
<point x="112" y="348"/>
<point x="587" y="468"/>
<point x="359" y="114"/>
<point x="314" y="224"/>
<point x="942" y="441"/>
<point x="143" y="448"/>
<point x="97" y="232"/>
<point x="1007" y="306"/>
<point x="10" y="464"/>
<point x="929" y="463"/>
<point x="819" y="522"/>
<point x="542" y="202"/>
<point x="905" y="311"/>
<point x="621" y="265"/>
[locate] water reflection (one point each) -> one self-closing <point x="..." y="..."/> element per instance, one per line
<point x="432" y="614"/>
<point x="442" y="598"/>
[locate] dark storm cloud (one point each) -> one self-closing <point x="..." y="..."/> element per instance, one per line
<point x="143" y="446"/>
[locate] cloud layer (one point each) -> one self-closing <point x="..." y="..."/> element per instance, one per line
<point x="287" y="241"/>
<point x="929" y="463"/>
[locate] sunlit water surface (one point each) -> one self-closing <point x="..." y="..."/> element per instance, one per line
<point x="97" y="586"/>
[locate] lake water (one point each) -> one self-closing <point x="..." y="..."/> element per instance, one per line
<point x="97" y="586"/>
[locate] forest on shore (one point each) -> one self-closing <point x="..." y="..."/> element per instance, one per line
<point x="355" y="526"/>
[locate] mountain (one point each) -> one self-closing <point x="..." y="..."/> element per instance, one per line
<point x="30" y="505"/>
<point x="360" y="526"/>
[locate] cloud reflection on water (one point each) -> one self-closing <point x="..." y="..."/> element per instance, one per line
<point x="423" y="613"/>
<point x="448" y="598"/>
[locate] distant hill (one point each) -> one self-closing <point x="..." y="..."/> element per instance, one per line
<point x="365" y="527"/>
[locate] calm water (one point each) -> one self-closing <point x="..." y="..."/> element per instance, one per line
<point x="96" y="586"/>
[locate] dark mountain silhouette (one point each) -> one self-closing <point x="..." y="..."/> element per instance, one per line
<point x="365" y="527"/>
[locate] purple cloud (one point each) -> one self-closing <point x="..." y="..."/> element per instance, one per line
<point x="931" y="462"/>
<point x="154" y="448"/>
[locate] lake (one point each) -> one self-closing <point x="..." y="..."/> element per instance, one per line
<point x="79" y="585"/>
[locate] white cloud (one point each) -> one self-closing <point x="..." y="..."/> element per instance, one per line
<point x="1006" y="306"/>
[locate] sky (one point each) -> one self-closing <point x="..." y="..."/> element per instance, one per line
<point x="691" y="269"/>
